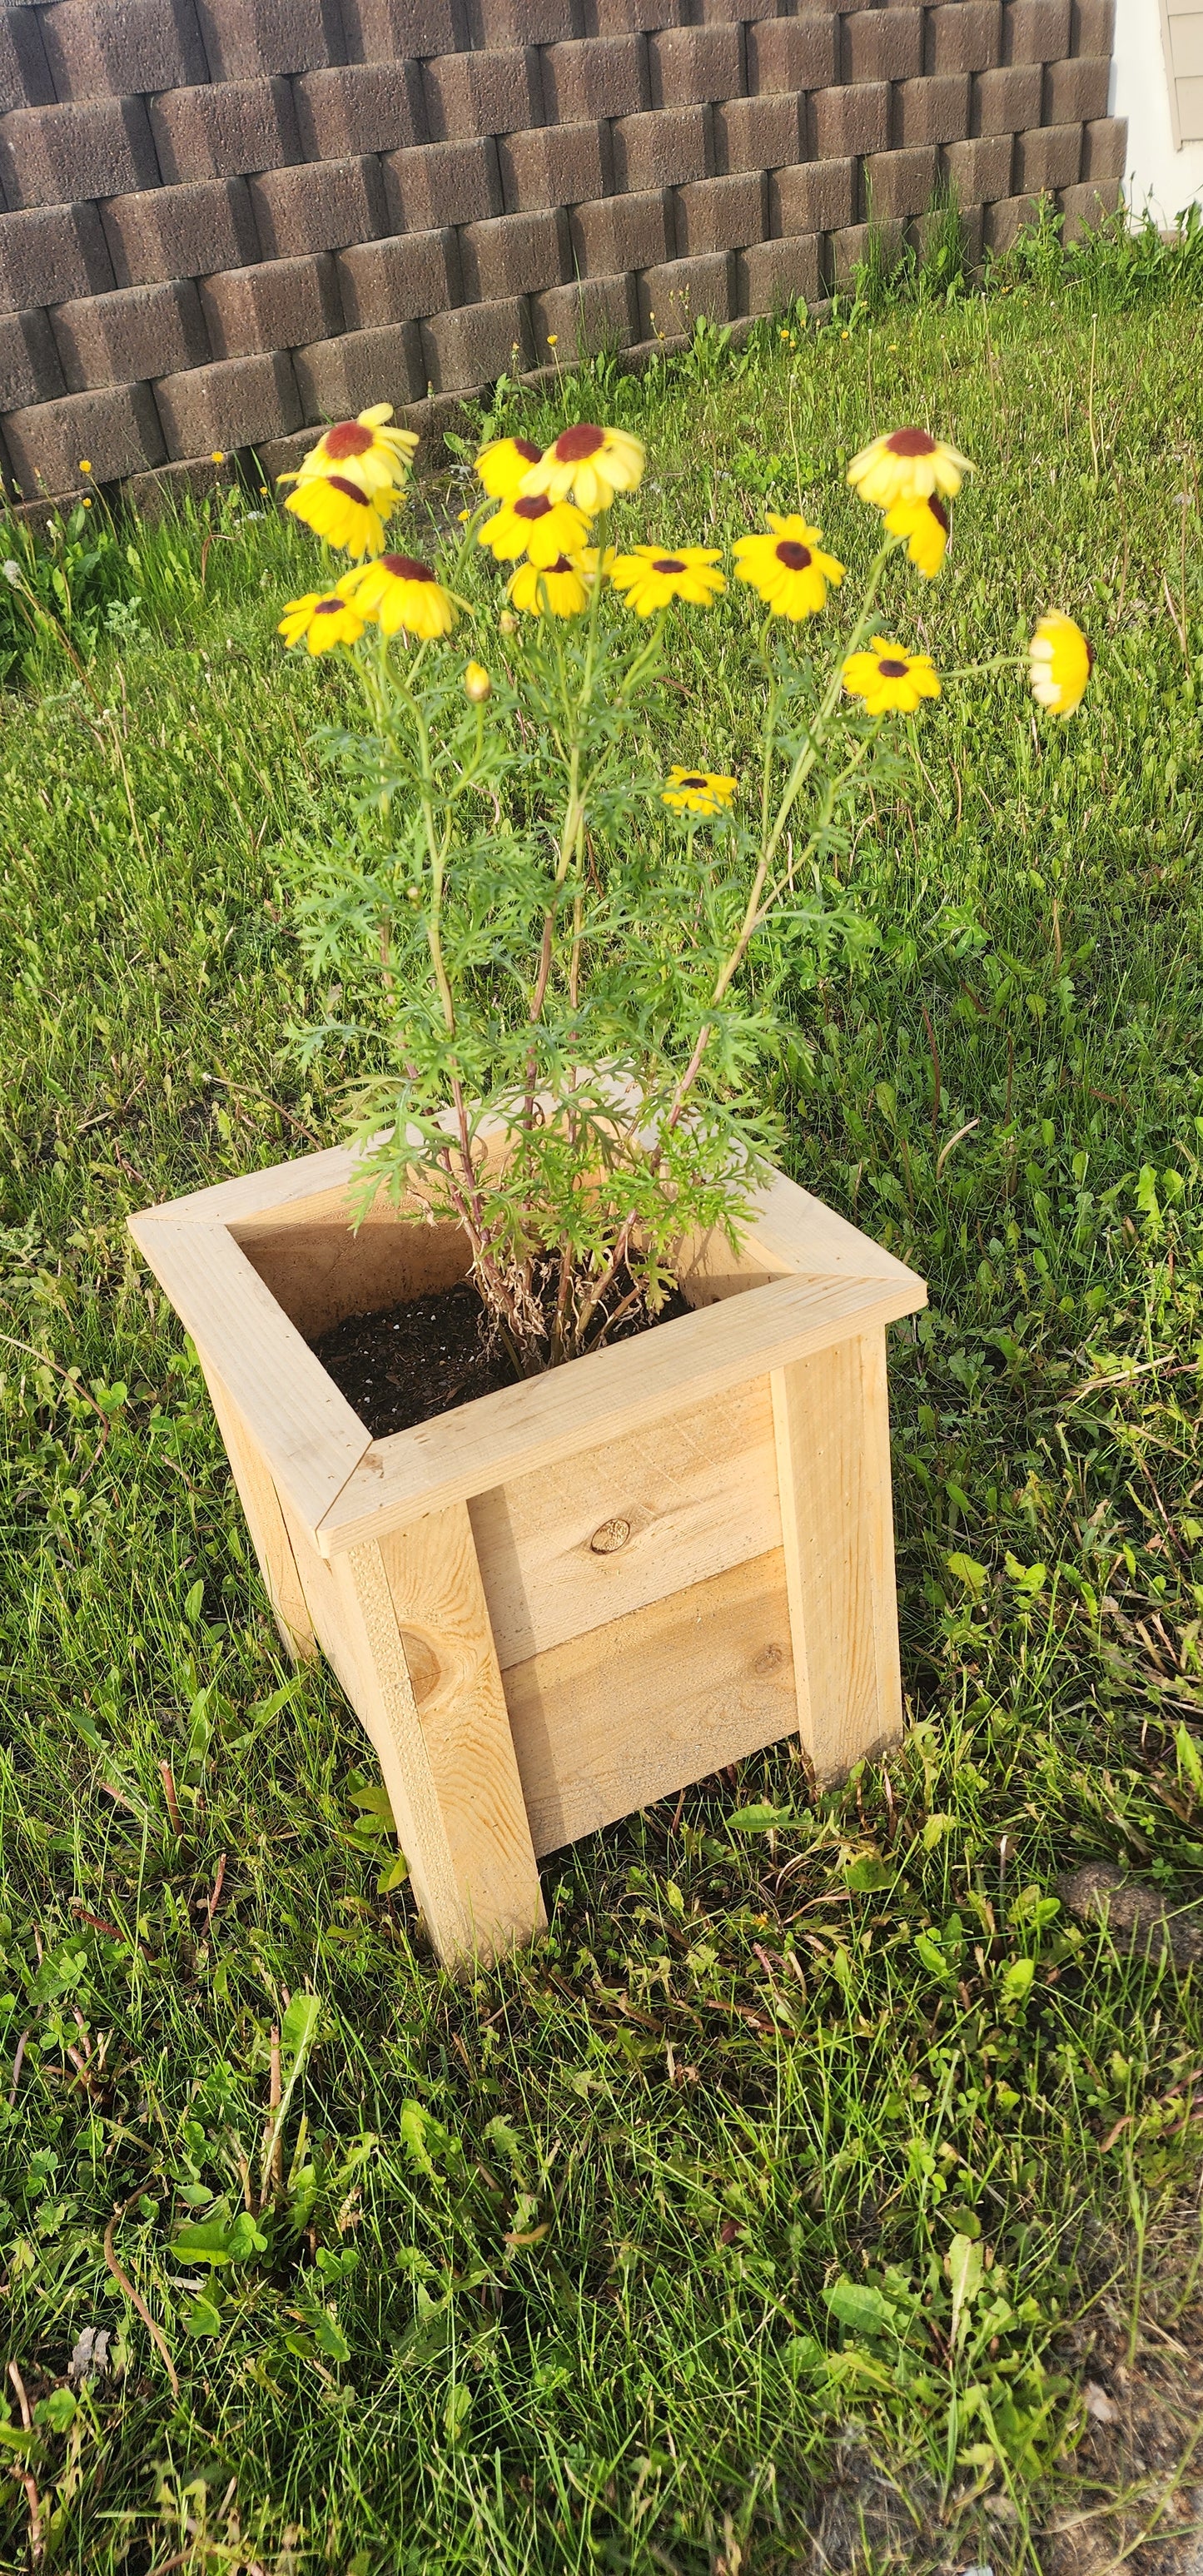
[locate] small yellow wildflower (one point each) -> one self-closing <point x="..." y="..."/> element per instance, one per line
<point x="477" y="684"/>
<point x="399" y="592"/>
<point x="1060" y="661"/>
<point x="906" y="465"/>
<point x="787" y="568"/>
<point x="531" y="524"/>
<point x="889" y="679"/>
<point x="650" y="576"/>
<point x="560" y="588"/>
<point x="321" y="619"/>
<point x="502" y="464"/>
<point x="218" y="456"/>
<point x="85" y="464"/>
<point x="588" y="465"/>
<point x="698" y="791"/>
<point x="925" y="525"/>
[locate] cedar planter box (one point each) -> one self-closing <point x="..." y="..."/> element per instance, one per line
<point x="567" y="1599"/>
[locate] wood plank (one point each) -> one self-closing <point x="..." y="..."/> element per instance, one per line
<point x="277" y="1186"/>
<point x="525" y="1429"/>
<point x="309" y="1437"/>
<point x="609" y="1723"/>
<point x="321" y="1272"/>
<point x="265" y="1521"/>
<point x="833" y="1452"/>
<point x="809" y="1239"/>
<point x="696" y="1494"/>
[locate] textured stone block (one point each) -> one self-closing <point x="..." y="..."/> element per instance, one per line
<point x="233" y="404"/>
<point x="620" y="232"/>
<point x="1050" y="157"/>
<point x="1004" y="220"/>
<point x="846" y="121"/>
<point x="117" y="430"/>
<point x="932" y="111"/>
<point x="582" y="320"/>
<point x="398" y="280"/>
<point x="54" y="156"/>
<point x="720" y="13"/>
<point x="136" y="333"/>
<point x="513" y="255"/>
<point x="359" y="107"/>
<point x="900" y="183"/>
<point x="50" y="253"/>
<point x="521" y="22"/>
<point x="476" y="344"/>
<point x="770" y="276"/>
<point x="1088" y="205"/>
<point x="247" y="38"/>
<point x="122" y="48"/>
<point x="321" y="205"/>
<point x="682" y="292"/>
<point x="598" y="76"/>
<point x="964" y="36"/>
<point x="474" y="94"/>
<point x="1035" y="31"/>
<point x="1005" y="101"/>
<point x="848" y="250"/>
<point x="158" y="494"/>
<point x="25" y="75"/>
<point x="794" y="53"/>
<point x="1075" y="91"/>
<point x="555" y="165"/>
<point x="30" y="371"/>
<point x="382" y="31"/>
<point x="631" y="17"/>
<point x="980" y="170"/>
<point x="661" y="150"/>
<point x="337" y="378"/>
<point x="442" y="183"/>
<point x="720" y="214"/>
<point x="691" y="66"/>
<point x="1092" y="26"/>
<point x="224" y="130"/>
<point x="1104" y="147"/>
<point x="816" y="197"/>
<point x="757" y="133"/>
<point x="883" y="45"/>
<point x="179" y="232"/>
<point x="280" y="304"/>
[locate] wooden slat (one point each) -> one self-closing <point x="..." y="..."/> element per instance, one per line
<point x="810" y="1240"/>
<point x="265" y="1521"/>
<point x="611" y="1722"/>
<point x="310" y="1439"/>
<point x="833" y="1454"/>
<point x="307" y="1176"/>
<point x="321" y="1272"/>
<point x="696" y="1494"/>
<point x="525" y="1429"/>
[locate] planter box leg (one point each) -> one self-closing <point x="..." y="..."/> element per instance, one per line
<point x="832" y="1428"/>
<point x="416" y="1627"/>
<point x="265" y="1521"/>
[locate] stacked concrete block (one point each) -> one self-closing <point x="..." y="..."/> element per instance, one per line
<point x="223" y="220"/>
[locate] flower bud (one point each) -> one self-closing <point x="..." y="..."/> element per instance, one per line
<point x="477" y="684"/>
<point x="508" y="622"/>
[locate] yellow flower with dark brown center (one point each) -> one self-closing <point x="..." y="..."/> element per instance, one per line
<point x="337" y="507"/>
<point x="925" y="525"/>
<point x="788" y="568"/>
<point x="907" y="465"/>
<point x="588" y="465"/>
<point x="321" y="619"/>
<point x="376" y="455"/>
<point x="698" y="791"/>
<point x="649" y="577"/>
<point x="399" y="592"/>
<point x="502" y="464"/>
<point x="531" y="524"/>
<point x="889" y="679"/>
<point x="559" y="589"/>
<point x="1060" y="661"/>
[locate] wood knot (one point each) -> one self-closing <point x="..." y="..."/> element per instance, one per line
<point x="768" y="1660"/>
<point x="610" y="1537"/>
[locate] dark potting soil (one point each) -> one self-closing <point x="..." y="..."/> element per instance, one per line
<point x="405" y="1364"/>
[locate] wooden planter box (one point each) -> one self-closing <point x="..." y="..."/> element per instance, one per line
<point x="565" y="1600"/>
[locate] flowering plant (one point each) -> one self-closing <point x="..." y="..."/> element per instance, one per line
<point x="564" y="969"/>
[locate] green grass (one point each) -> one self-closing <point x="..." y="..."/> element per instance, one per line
<point x="793" y="2146"/>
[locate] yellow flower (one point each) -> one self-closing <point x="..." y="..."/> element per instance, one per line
<point x="588" y="465"/>
<point x="890" y="679"/>
<point x="533" y="525"/>
<point x="925" y="525"/>
<point x="321" y="619"/>
<point x="338" y="509"/>
<point x="1059" y="664"/>
<point x="477" y="684"/>
<point x="906" y="465"/>
<point x="698" y="791"/>
<point x="649" y="577"/>
<point x="398" y="591"/>
<point x="377" y="456"/>
<point x="561" y="588"/>
<point x="218" y="456"/>
<point x="502" y="464"/>
<point x="85" y="464"/>
<point x="788" y="568"/>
